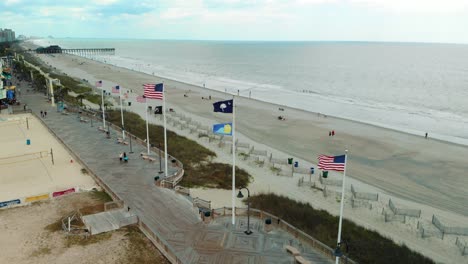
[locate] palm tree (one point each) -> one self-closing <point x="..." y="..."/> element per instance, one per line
<point x="81" y="97"/>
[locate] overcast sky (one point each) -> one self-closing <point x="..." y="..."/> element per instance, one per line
<point x="352" y="20"/>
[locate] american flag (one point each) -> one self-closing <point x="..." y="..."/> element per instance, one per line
<point x="141" y="99"/>
<point x="153" y="91"/>
<point x="116" y="89"/>
<point x="334" y="163"/>
<point x="99" y="84"/>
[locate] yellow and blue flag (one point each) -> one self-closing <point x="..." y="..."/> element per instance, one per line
<point x="223" y="129"/>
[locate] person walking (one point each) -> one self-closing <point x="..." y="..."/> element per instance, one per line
<point x="426" y="135"/>
<point x="333" y="133"/>
<point x="45" y="114"/>
<point x="42" y="114"/>
<point x="121" y="157"/>
<point x="125" y="157"/>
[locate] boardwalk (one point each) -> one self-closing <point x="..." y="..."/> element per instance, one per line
<point x="164" y="212"/>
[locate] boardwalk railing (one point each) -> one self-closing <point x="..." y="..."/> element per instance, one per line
<point x="298" y="234"/>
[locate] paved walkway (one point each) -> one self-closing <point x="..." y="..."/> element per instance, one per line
<point x="166" y="213"/>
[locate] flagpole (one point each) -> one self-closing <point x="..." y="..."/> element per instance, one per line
<point x="337" y="259"/>
<point x="165" y="134"/>
<point x="233" y="161"/>
<point x="121" y="113"/>
<point x="147" y="131"/>
<point x="102" y="103"/>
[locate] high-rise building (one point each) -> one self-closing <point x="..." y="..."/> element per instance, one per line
<point x="7" y="35"/>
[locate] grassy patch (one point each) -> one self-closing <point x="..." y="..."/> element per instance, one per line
<point x="365" y="246"/>
<point x="55" y="226"/>
<point x="141" y="250"/>
<point x="41" y="251"/>
<point x="83" y="241"/>
<point x="199" y="170"/>
<point x="101" y="196"/>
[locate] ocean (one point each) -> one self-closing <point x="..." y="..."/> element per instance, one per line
<point x="411" y="87"/>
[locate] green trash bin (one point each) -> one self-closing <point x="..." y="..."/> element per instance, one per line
<point x="290" y="160"/>
<point x="325" y="174"/>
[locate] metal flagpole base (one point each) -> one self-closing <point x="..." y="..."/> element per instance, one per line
<point x="248" y="232"/>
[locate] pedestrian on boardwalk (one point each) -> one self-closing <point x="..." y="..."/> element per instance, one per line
<point x="121" y="156"/>
<point x="125" y="157"/>
<point x="45" y="114"/>
<point x="42" y="114"/>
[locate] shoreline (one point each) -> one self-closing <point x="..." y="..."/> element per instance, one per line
<point x="453" y="139"/>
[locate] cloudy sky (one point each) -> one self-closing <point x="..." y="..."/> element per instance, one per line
<point x="352" y="20"/>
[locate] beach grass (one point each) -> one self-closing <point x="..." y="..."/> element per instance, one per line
<point x="200" y="171"/>
<point x="365" y="246"/>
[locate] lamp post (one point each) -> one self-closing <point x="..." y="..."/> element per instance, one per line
<point x="160" y="166"/>
<point x="240" y="195"/>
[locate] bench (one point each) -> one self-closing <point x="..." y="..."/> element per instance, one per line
<point x="64" y="113"/>
<point x="148" y="158"/>
<point x="84" y="120"/>
<point x="292" y="250"/>
<point x="121" y="141"/>
<point x="301" y="260"/>
<point x="101" y="129"/>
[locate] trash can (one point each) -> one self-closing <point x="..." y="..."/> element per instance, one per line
<point x="311" y="170"/>
<point x="129" y="103"/>
<point x="28" y="142"/>
<point x="325" y="174"/>
<point x="290" y="160"/>
<point x="296" y="164"/>
<point x="156" y="178"/>
<point x="268" y="221"/>
<point x="207" y="213"/>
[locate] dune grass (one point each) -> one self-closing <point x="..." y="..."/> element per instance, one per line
<point x="200" y="171"/>
<point x="365" y="246"/>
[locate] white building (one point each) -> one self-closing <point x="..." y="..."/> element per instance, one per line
<point x="7" y="35"/>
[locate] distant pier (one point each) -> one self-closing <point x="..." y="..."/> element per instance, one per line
<point x="79" y="52"/>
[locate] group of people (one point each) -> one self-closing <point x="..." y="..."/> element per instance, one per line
<point x="123" y="157"/>
<point x="43" y="114"/>
<point x="331" y="133"/>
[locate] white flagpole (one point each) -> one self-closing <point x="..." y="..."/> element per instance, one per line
<point x="103" y="114"/>
<point x="233" y="161"/>
<point x="165" y="134"/>
<point x="337" y="259"/>
<point x="147" y="131"/>
<point x="121" y="114"/>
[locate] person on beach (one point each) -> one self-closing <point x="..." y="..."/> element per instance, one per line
<point x="329" y="133"/>
<point x="42" y="114"/>
<point x="333" y="133"/>
<point x="426" y="135"/>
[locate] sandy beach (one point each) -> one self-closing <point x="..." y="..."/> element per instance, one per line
<point x="415" y="172"/>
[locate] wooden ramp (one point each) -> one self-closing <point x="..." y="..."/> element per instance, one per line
<point x="108" y="221"/>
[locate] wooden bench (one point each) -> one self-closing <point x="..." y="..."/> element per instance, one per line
<point x="148" y="158"/>
<point x="292" y="250"/>
<point x="301" y="260"/>
<point x="64" y="113"/>
<point x="101" y="129"/>
<point x="121" y="141"/>
<point x="84" y="120"/>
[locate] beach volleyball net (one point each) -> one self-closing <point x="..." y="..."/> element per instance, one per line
<point x="26" y="157"/>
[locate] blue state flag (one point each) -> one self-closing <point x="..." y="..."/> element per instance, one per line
<point x="223" y="106"/>
<point x="223" y="129"/>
